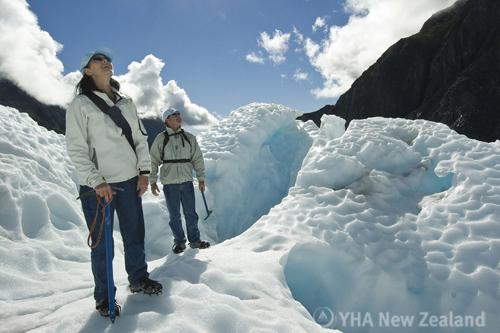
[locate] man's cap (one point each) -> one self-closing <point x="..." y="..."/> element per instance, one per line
<point x="168" y="112"/>
<point x="86" y="59"/>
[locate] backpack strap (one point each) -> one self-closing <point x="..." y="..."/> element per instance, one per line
<point x="166" y="137"/>
<point x="185" y="137"/>
<point x="115" y="114"/>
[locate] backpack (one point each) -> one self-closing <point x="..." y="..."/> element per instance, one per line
<point x="166" y="138"/>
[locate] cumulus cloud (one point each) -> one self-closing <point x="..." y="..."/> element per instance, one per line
<point x="193" y="114"/>
<point x="255" y="58"/>
<point x="299" y="75"/>
<point x="275" y="46"/>
<point x="144" y="84"/>
<point x="319" y="23"/>
<point x="373" y="26"/>
<point x="28" y="55"/>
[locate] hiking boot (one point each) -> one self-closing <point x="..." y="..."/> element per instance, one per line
<point x="103" y="308"/>
<point x="147" y="286"/>
<point x="178" y="248"/>
<point x="199" y="245"/>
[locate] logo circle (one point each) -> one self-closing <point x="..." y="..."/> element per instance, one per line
<point x="324" y="316"/>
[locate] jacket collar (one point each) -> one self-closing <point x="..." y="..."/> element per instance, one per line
<point x="171" y="131"/>
<point x="105" y="97"/>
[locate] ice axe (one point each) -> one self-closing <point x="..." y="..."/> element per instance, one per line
<point x="109" y="262"/>
<point x="108" y="246"/>
<point x="206" y="207"/>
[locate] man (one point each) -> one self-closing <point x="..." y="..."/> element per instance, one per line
<point x="179" y="153"/>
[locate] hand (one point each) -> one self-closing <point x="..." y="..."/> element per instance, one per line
<point x="155" y="189"/>
<point x="201" y="185"/>
<point x="105" y="191"/>
<point x="142" y="185"/>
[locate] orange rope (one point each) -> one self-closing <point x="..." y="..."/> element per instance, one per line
<point x="94" y="223"/>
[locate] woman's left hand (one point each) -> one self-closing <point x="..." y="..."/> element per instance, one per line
<point x="142" y="185"/>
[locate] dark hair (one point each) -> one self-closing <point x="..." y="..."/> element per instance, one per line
<point x="87" y="84"/>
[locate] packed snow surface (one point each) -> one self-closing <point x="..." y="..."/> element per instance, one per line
<point x="391" y="216"/>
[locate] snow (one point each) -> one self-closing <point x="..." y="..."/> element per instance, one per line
<point x="409" y="223"/>
<point x="391" y="215"/>
<point x="252" y="159"/>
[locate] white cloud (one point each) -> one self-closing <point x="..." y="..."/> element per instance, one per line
<point x="299" y="37"/>
<point x="276" y="46"/>
<point x="72" y="79"/>
<point x="193" y="114"/>
<point x="145" y="85"/>
<point x="311" y="48"/>
<point x="28" y="55"/>
<point x="299" y="75"/>
<point x="373" y="26"/>
<point x="254" y="58"/>
<point x="319" y="23"/>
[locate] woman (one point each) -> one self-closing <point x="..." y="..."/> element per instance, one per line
<point x="112" y="159"/>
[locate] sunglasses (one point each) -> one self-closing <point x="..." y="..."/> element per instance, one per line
<point x="174" y="114"/>
<point x="100" y="57"/>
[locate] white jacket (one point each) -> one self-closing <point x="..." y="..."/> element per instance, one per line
<point x="96" y="145"/>
<point x="176" y="148"/>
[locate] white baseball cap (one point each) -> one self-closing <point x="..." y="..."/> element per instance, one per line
<point x="169" y="112"/>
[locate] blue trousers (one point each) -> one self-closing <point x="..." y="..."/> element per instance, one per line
<point x="175" y="194"/>
<point x="128" y="206"/>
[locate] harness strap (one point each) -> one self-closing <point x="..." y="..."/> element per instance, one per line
<point x="185" y="160"/>
<point x="115" y="114"/>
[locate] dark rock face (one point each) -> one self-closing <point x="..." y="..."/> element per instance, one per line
<point x="153" y="127"/>
<point x="448" y="72"/>
<point x="49" y="116"/>
<point x="316" y="115"/>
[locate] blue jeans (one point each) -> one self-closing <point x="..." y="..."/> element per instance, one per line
<point x="128" y="207"/>
<point x="175" y="194"/>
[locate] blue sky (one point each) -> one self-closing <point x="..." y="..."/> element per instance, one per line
<point x="202" y="42"/>
<point x="205" y="57"/>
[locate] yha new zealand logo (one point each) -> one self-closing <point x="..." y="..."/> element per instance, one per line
<point x="325" y="317"/>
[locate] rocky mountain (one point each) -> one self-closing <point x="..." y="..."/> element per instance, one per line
<point x="49" y="116"/>
<point x="153" y="127"/>
<point x="448" y="72"/>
